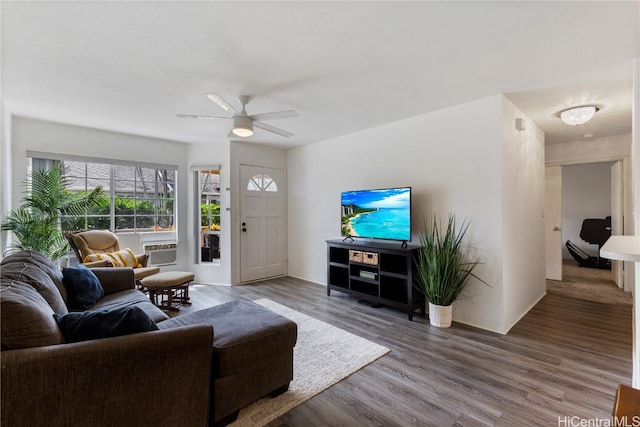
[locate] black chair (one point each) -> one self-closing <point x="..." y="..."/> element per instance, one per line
<point x="595" y="231"/>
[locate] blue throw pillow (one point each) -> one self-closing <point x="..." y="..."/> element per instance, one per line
<point x="91" y="325"/>
<point x="83" y="287"/>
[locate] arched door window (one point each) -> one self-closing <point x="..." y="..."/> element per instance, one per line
<point x="262" y="182"/>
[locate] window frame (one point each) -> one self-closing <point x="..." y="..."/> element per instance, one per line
<point x="207" y="240"/>
<point x="170" y="196"/>
<point x="262" y="182"/>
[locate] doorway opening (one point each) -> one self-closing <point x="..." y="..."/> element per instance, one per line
<point x="578" y="196"/>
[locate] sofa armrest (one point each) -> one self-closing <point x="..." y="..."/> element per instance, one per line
<point x="99" y="263"/>
<point x="159" y="378"/>
<point x="115" y="279"/>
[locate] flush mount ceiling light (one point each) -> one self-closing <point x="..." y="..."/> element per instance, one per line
<point x="242" y="126"/>
<point x="578" y="115"/>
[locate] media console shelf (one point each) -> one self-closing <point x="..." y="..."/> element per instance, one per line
<point x="378" y="272"/>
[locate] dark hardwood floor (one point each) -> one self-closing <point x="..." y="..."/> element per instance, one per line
<point x="565" y="358"/>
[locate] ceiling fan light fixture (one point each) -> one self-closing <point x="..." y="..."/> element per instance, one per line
<point x="242" y="122"/>
<point x="242" y="126"/>
<point x="578" y="115"/>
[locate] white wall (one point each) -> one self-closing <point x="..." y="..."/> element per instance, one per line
<point x="243" y="153"/>
<point x="635" y="184"/>
<point x="586" y="193"/>
<point x="49" y="137"/>
<point x="588" y="151"/>
<point x="523" y="183"/>
<point x="452" y="159"/>
<point x="210" y="154"/>
<point x="5" y="171"/>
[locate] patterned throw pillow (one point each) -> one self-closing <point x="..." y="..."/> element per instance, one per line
<point x="123" y="258"/>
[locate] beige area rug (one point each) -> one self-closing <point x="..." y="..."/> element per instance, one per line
<point x="590" y="284"/>
<point x="323" y="356"/>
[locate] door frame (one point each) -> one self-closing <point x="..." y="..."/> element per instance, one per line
<point x="617" y="217"/>
<point x="553" y="224"/>
<point x="238" y="218"/>
<point x="626" y="200"/>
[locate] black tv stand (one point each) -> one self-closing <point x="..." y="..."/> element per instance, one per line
<point x="348" y="239"/>
<point x="380" y="273"/>
<point x="403" y="245"/>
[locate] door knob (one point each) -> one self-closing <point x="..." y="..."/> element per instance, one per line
<point x="556" y="229"/>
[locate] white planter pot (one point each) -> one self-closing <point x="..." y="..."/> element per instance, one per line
<point x="440" y="315"/>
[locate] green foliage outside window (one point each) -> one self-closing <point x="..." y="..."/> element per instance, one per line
<point x="210" y="215"/>
<point x="129" y="214"/>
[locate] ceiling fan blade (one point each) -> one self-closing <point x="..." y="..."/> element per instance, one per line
<point x="275" y="115"/>
<point x="272" y="129"/>
<point x="195" y="116"/>
<point x="221" y="102"/>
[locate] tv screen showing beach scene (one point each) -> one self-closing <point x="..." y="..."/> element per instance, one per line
<point x="377" y="214"/>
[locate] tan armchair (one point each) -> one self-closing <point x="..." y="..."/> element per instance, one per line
<point x="85" y="243"/>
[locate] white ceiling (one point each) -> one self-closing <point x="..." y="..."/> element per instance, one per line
<point x="343" y="66"/>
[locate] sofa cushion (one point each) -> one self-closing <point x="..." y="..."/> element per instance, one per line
<point x="130" y="297"/>
<point x="83" y="287"/>
<point x="52" y="270"/>
<point x="44" y="263"/>
<point x="244" y="333"/>
<point x="29" y="272"/>
<point x="90" y="325"/>
<point x="26" y="317"/>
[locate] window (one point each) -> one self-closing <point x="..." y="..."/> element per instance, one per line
<point x="139" y="198"/>
<point x="262" y="182"/>
<point x="207" y="185"/>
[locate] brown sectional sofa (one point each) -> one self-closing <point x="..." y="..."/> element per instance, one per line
<point x="179" y="375"/>
<point x="123" y="381"/>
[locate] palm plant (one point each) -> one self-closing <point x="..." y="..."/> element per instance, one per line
<point x="36" y="223"/>
<point x="443" y="266"/>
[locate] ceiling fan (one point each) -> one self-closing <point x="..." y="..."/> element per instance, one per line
<point x="242" y="122"/>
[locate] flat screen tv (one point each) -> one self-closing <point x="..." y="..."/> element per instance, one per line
<point x="377" y="214"/>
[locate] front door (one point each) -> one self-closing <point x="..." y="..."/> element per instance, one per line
<point x="262" y="231"/>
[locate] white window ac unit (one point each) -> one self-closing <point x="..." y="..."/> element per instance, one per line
<point x="161" y="253"/>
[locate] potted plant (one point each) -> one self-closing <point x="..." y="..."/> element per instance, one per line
<point x="443" y="268"/>
<point x="36" y="223"/>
